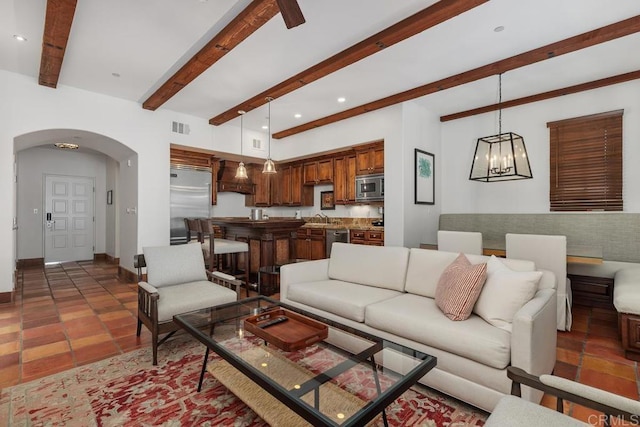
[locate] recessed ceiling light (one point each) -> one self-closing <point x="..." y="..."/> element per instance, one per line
<point x="115" y="74"/>
<point x="66" y="145"/>
<point x="20" y="38"/>
<point x="297" y="115"/>
<point x="342" y="99"/>
<point x="499" y="28"/>
<point x="265" y="127"/>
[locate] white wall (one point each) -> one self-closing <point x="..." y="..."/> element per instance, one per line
<point x="459" y="195"/>
<point x="29" y="107"/>
<point x="421" y="129"/>
<point x="112" y="217"/>
<point x="33" y="164"/>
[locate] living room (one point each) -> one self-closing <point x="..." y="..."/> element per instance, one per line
<point x="142" y="197"/>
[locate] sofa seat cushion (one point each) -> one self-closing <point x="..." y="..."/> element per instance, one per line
<point x="419" y="319"/>
<point x="344" y="299"/>
<point x="191" y="296"/>
<point x="626" y="291"/>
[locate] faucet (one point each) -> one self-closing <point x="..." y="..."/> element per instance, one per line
<point x="323" y="216"/>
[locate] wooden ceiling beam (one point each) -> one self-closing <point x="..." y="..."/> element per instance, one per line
<point x="254" y="16"/>
<point x="415" y="24"/>
<point x="291" y="13"/>
<point x="57" y="27"/>
<point x="572" y="44"/>
<point x="595" y="84"/>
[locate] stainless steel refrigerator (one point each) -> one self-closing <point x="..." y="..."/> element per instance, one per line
<point x="190" y="198"/>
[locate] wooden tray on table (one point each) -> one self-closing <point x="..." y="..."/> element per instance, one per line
<point x="291" y="332"/>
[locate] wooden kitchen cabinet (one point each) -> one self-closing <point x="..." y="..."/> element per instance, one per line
<point x="370" y="160"/>
<point x="262" y="183"/>
<point x="344" y="175"/>
<point x="310" y="243"/>
<point x="366" y="237"/>
<point x="291" y="188"/>
<point x="318" y="172"/>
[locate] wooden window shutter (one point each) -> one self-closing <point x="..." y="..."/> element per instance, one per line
<point x="586" y="163"/>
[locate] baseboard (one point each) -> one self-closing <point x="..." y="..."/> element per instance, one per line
<point x="6" y="297"/>
<point x="112" y="260"/>
<point x="127" y="275"/>
<point x="30" y="262"/>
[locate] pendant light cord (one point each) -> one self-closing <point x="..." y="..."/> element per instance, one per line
<point x="500" y="104"/>
<point x="269" y="152"/>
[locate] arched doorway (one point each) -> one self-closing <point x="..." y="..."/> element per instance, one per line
<point x="109" y="164"/>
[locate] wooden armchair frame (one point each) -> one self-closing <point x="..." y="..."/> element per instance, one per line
<point x="148" y="305"/>
<point x="586" y="395"/>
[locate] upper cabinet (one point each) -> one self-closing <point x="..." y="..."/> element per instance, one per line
<point x="294" y="193"/>
<point x="318" y="172"/>
<point x="263" y="184"/>
<point x="283" y="188"/>
<point x="344" y="176"/>
<point x="370" y="159"/>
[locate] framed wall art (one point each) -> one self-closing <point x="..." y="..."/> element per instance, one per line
<point x="327" y="202"/>
<point x="425" y="186"/>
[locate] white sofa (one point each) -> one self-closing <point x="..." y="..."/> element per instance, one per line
<point x="389" y="292"/>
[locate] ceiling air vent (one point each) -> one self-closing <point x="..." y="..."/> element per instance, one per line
<point x="181" y="128"/>
<point x="257" y="144"/>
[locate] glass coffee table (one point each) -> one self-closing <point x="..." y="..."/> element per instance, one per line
<point x="319" y="384"/>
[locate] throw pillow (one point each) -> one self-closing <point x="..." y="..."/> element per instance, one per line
<point x="459" y="286"/>
<point x="504" y="293"/>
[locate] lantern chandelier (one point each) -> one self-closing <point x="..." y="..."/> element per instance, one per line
<point x="501" y="157"/>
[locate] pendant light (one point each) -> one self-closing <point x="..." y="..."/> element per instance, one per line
<point x="501" y="157"/>
<point x="269" y="166"/>
<point x="241" y="172"/>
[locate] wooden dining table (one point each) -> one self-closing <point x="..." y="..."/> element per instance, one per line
<point x="579" y="254"/>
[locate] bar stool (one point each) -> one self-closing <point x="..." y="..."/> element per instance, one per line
<point x="219" y="247"/>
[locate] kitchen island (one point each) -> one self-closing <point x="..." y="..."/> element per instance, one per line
<point x="270" y="241"/>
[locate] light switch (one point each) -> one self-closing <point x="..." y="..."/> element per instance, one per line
<point x="35" y="211"/>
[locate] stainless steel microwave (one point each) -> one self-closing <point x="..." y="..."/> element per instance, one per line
<point x="369" y="188"/>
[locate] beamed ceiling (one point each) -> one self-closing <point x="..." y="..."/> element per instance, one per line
<point x="211" y="58"/>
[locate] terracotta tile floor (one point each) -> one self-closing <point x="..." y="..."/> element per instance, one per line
<point x="76" y="313"/>
<point x="64" y="316"/>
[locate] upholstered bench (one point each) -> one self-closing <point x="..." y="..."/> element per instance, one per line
<point x="626" y="299"/>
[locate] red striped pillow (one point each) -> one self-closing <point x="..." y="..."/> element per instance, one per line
<point x="459" y="287"/>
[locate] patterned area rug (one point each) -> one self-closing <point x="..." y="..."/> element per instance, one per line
<point x="128" y="390"/>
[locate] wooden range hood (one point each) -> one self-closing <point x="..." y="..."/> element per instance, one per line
<point x="227" y="181"/>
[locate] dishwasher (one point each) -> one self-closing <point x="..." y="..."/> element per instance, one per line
<point x="336" y="235"/>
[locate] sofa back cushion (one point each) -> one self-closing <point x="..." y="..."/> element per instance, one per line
<point x="380" y="266"/>
<point x="426" y="266"/>
<point x="172" y="265"/>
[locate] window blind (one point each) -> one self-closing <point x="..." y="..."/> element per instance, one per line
<point x="586" y="163"/>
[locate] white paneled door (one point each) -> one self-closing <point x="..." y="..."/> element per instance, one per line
<point x="68" y="218"/>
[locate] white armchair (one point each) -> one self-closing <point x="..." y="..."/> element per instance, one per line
<point x="176" y="283"/>
<point x="549" y="253"/>
<point x="467" y="242"/>
<point x="515" y="412"/>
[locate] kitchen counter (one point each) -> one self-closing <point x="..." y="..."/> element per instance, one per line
<point x="270" y="241"/>
<point x="343" y="226"/>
